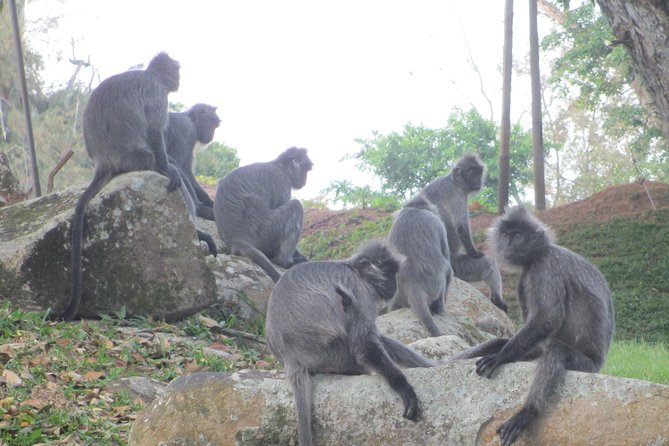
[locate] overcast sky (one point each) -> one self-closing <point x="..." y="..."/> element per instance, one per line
<point x="312" y="74"/>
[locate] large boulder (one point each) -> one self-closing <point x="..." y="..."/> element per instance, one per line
<point x="469" y="315"/>
<point x="458" y="408"/>
<point x="140" y="252"/>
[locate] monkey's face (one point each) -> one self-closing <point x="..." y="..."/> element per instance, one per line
<point x="206" y="122"/>
<point x="518" y="239"/>
<point x="300" y="168"/>
<point x="473" y="178"/>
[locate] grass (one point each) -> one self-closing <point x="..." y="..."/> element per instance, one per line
<point x="639" y="360"/>
<point x="633" y="255"/>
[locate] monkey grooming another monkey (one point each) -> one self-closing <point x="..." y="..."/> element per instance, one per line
<point x="254" y="212"/>
<point x="197" y="124"/>
<point x="124" y="122"/>
<point x="422" y="283"/>
<point x="321" y="318"/>
<point x="566" y="307"/>
<point x="449" y="194"/>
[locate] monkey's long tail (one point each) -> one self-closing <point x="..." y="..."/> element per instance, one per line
<point x="100" y="179"/>
<point x="300" y="381"/>
<point x="403" y="355"/>
<point x="259" y="259"/>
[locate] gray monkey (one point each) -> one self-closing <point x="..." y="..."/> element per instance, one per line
<point x="321" y="318"/>
<point x="197" y="124"/>
<point x="124" y="122"/>
<point x="449" y="194"/>
<point x="422" y="283"/>
<point x="255" y="215"/>
<point x="566" y="307"/>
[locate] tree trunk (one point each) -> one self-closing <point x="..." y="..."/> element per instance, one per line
<point x="505" y="136"/>
<point x="537" y="125"/>
<point x="643" y="27"/>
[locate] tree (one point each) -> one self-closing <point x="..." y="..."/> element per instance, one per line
<point x="595" y="112"/>
<point x="405" y="162"/>
<point x="216" y="160"/>
<point x="505" y="126"/>
<point x="642" y="28"/>
<point x="537" y="123"/>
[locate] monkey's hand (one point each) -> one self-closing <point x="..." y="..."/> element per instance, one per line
<point x="487" y="364"/>
<point x="174" y="176"/>
<point x="475" y="254"/>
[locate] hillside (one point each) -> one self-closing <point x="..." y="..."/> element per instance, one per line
<point x="616" y="229"/>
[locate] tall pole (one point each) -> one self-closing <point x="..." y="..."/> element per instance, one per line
<point x="24" y="96"/>
<point x="505" y="137"/>
<point x="537" y="126"/>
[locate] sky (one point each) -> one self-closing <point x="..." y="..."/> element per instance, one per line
<point x="311" y="74"/>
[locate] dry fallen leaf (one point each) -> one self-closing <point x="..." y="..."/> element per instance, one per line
<point x="93" y="375"/>
<point x="11" y="378"/>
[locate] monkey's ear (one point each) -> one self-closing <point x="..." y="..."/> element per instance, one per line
<point x="363" y="262"/>
<point x="346" y="298"/>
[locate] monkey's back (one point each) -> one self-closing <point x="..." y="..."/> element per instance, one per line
<point x="180" y="139"/>
<point x="305" y="316"/>
<point x="245" y="197"/>
<point x="584" y="291"/>
<point x="420" y="236"/>
<point x="118" y="117"/>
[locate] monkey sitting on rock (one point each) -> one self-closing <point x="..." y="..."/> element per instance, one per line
<point x="124" y="123"/>
<point x="321" y="318"/>
<point x="255" y="215"/>
<point x="566" y="307"/>
<point x="197" y="124"/>
<point x="449" y="194"/>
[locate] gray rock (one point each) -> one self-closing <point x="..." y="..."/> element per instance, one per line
<point x="459" y="408"/>
<point x="140" y="252"/>
<point x="141" y="387"/>
<point x="440" y="348"/>
<point x="469" y="315"/>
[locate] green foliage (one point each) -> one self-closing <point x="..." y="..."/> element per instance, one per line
<point x="216" y="160"/>
<point x="405" y="162"/>
<point x="639" y="360"/>
<point x="348" y="195"/>
<point x="632" y="255"/>
<point x="597" y="121"/>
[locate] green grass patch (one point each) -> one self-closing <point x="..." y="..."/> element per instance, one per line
<point x="639" y="360"/>
<point x="633" y="255"/>
<point x="342" y="241"/>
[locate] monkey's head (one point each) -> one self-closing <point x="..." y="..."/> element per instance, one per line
<point x="469" y="173"/>
<point x="377" y="263"/>
<point x="420" y="201"/>
<point x="295" y="163"/>
<point x="206" y="121"/>
<point x="518" y="238"/>
<point x="166" y="69"/>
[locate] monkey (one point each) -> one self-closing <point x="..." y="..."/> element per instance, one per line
<point x="449" y="194"/>
<point x="419" y="234"/>
<point x="566" y="307"/>
<point x="321" y="318"/>
<point x="197" y="124"/>
<point x="255" y="215"/>
<point x="123" y="123"/>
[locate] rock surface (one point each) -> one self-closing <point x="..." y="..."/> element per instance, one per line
<point x="469" y="315"/>
<point x="140" y="252"/>
<point x="458" y="407"/>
